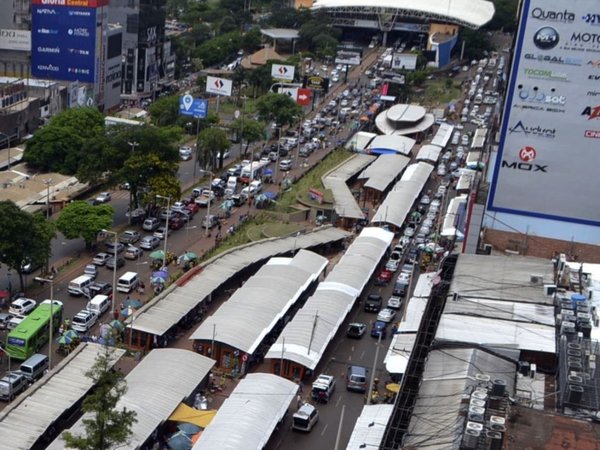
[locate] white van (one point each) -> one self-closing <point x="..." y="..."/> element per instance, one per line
<point x="34" y="367"/>
<point x="232" y="183"/>
<point x="80" y="285"/>
<point x="99" y="304"/>
<point x="305" y="418"/>
<point x="128" y="282"/>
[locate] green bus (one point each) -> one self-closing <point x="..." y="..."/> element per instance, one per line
<point x="33" y="332"/>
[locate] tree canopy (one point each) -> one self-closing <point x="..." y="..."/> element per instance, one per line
<point x="278" y="108"/>
<point x="23" y="236"/>
<point x="104" y="425"/>
<point x="211" y="141"/>
<point x="80" y="219"/>
<point x="249" y="130"/>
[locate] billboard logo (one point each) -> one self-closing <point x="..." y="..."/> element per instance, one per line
<point x="536" y="95"/>
<point x="594" y="77"/>
<point x="594" y="64"/>
<point x="593" y="112"/>
<point x="54" y="50"/>
<point x="79" y="13"/>
<point x="47" y="67"/>
<point x="553" y="16"/>
<point x="78" y="51"/>
<point x="54" y="2"/>
<point x="47" y="31"/>
<point x="537" y="130"/>
<point x="78" y="71"/>
<point x="546" y="38"/>
<point x="567" y="61"/>
<point x="593" y="134"/>
<point x="545" y="74"/>
<point x="527" y="154"/>
<point x="591" y="19"/>
<point x="79" y="32"/>
<point x="43" y="11"/>
<point x="593" y="93"/>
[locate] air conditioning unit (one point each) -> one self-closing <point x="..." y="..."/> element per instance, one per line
<point x="536" y="279"/>
<point x="487" y="249"/>
<point x="549" y="289"/>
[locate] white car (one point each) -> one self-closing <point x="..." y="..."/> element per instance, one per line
<point x="161" y="232"/>
<point x="253" y="188"/>
<point x="409" y="232"/>
<point x="386" y="315"/>
<point x="425" y="200"/>
<point x="22" y="306"/>
<point x="101" y="258"/>
<point x="441" y="170"/>
<point x="103" y="197"/>
<point x="394" y="302"/>
<point x="392" y="265"/>
<point x="285" y="165"/>
<point x="83" y="321"/>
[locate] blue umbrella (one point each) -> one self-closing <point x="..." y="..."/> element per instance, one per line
<point x="271" y="195"/>
<point x="117" y="325"/>
<point x="160" y="273"/>
<point x="64" y="340"/>
<point x="189" y="428"/>
<point x="128" y="311"/>
<point x="180" y="441"/>
<point x="133" y="303"/>
<point x="158" y="280"/>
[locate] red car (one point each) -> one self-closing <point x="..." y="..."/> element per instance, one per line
<point x="192" y="207"/>
<point x="176" y="223"/>
<point x="385" y="276"/>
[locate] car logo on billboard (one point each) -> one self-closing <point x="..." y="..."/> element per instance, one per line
<point x="593" y="134"/>
<point x="544" y="74"/>
<point x="535" y="94"/>
<point x="527" y="154"/>
<point x="591" y="18"/>
<point x="563" y="60"/>
<point x="593" y="112"/>
<point x="589" y="42"/>
<point x="546" y="38"/>
<point x="553" y="16"/>
<point x="536" y="130"/>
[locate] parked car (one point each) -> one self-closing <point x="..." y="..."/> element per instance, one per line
<point x="22" y="306"/>
<point x="29" y="266"/>
<point x="110" y="264"/>
<point x="322" y="388"/>
<point x="386" y="315"/>
<point x="379" y="328"/>
<point x="113" y="248"/>
<point x="356" y="330"/>
<point x="150" y="224"/>
<point x="384" y="277"/>
<point x="91" y="270"/>
<point x="210" y="221"/>
<point x="130" y="237"/>
<point x="132" y="252"/>
<point x="103" y="197"/>
<point x="149" y="242"/>
<point x="83" y="321"/>
<point x="285" y="165"/>
<point x="253" y="188"/>
<point x="373" y="303"/>
<point x="176" y="222"/>
<point x="14" y="322"/>
<point x="392" y="264"/>
<point x="161" y="232"/>
<point x="100" y="288"/>
<point x="394" y="302"/>
<point x="4" y="319"/>
<point x="100" y="258"/>
<point x="192" y="208"/>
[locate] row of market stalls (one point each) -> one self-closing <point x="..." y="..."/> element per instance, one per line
<point x="159" y="319"/>
<point x="304" y="339"/>
<point x="380" y="174"/>
<point x="238" y="333"/>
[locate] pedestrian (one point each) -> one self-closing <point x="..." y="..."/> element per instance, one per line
<point x="299" y="400"/>
<point x="300" y="386"/>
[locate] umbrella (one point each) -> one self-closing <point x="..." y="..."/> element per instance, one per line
<point x="393" y="387"/>
<point x="189" y="428"/>
<point x="271" y="195"/>
<point x="261" y="198"/>
<point x="416" y="215"/>
<point x="64" y="340"/>
<point x="160" y="273"/>
<point x="189" y="256"/>
<point x="128" y="311"/>
<point x="158" y="280"/>
<point x="157" y="254"/>
<point x="105" y="330"/>
<point x="196" y="437"/>
<point x="133" y="303"/>
<point x="117" y="325"/>
<point x="268" y="172"/>
<point x="180" y="441"/>
<point x="71" y="334"/>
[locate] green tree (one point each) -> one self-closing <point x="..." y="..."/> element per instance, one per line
<point x="325" y="45"/>
<point x="278" y="108"/>
<point x="505" y="16"/>
<point x="211" y="141"/>
<point x="477" y="43"/>
<point x="249" y="130"/>
<point x="165" y="111"/>
<point x="140" y="169"/>
<point x="82" y="220"/>
<point x="23" y="236"/>
<point x="106" y="426"/>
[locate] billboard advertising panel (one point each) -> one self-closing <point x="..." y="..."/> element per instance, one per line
<point x="63" y="43"/>
<point x="219" y="86"/>
<point x="548" y="154"/>
<point x="406" y="61"/>
<point x="15" y="39"/>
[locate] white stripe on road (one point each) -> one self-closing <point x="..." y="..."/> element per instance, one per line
<point x="324" y="429"/>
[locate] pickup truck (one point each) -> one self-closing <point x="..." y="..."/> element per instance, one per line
<point x="205" y="197"/>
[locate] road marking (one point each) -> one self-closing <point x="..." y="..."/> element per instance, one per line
<point x="338" y="401"/>
<point x="324" y="429"/>
<point x="362" y="355"/>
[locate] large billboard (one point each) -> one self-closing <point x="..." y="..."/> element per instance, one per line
<point x="63" y="42"/>
<point x="15" y="39"/>
<point x="548" y="155"/>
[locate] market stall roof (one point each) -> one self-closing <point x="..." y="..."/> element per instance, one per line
<point x="429" y="153"/>
<point x="370" y="427"/>
<point x="336" y="180"/>
<point x="155" y="388"/>
<point x="384" y="143"/>
<point x="443" y="135"/>
<point x="165" y="310"/>
<point x="384" y="171"/>
<point x="28" y="417"/>
<point x="244" y="320"/>
<point x="306" y="336"/>
<point x="359" y="141"/>
<point x="250" y="414"/>
<point x="451" y="226"/>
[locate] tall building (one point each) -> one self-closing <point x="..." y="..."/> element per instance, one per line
<point x="146" y="52"/>
<point x="545" y="179"/>
<point x="15" y="38"/>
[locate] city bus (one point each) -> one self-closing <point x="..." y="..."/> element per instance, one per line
<point x="33" y="332"/>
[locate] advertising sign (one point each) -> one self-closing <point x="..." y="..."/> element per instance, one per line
<point x="63" y="42"/>
<point x="15" y="39"/>
<point x="195" y="107"/>
<point x="546" y="165"/>
<point x="348" y="56"/>
<point x="219" y="86"/>
<point x="281" y="72"/>
<point x="405" y="61"/>
<point x="303" y="97"/>
<point x="292" y="92"/>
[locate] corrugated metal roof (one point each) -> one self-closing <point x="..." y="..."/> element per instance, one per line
<point x="370" y="427"/>
<point x="306" y="336"/>
<point x="450" y="225"/>
<point x="439" y="414"/>
<point x="429" y="153"/>
<point x="344" y="202"/>
<point x="253" y="310"/>
<point x="360" y="140"/>
<point x="443" y="134"/>
<point x="383" y="171"/>
<point x="30" y="415"/>
<point x="165" y="311"/>
<point x="399" y="351"/>
<point x="465" y="180"/>
<point x="248" y="417"/>
<point x="501" y="310"/>
<point x="400" y="144"/>
<point x="155" y="387"/>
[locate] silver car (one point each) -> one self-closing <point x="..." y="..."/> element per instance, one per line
<point x="149" y="242"/>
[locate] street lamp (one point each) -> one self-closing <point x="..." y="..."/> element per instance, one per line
<point x="8" y="142"/>
<point x="168" y="199"/>
<point x="206" y="224"/>
<point x="114" y="289"/>
<point x="47" y="182"/>
<point x="51" y="331"/>
<point x="133" y="145"/>
<point x="9" y="384"/>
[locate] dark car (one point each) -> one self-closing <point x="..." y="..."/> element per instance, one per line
<point x="29" y="266"/>
<point x="177" y="223"/>
<point x="356" y="330"/>
<point x="373" y="303"/>
<point x="110" y="264"/>
<point x="379" y="328"/>
<point x="100" y="288"/>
